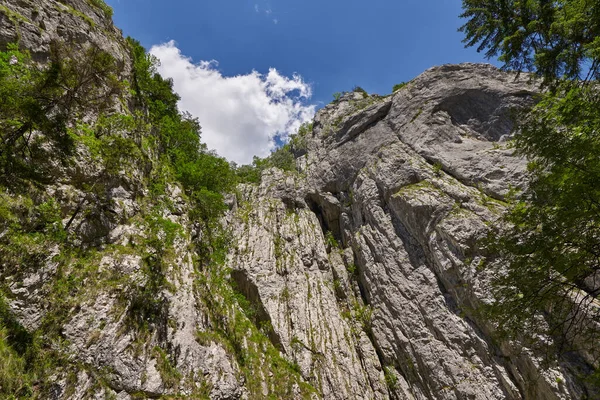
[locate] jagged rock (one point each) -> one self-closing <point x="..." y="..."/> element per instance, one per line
<point x="281" y="254"/>
<point x="36" y="24"/>
<point x="407" y="184"/>
<point x="110" y="356"/>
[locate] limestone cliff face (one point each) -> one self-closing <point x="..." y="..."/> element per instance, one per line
<point x="355" y="278"/>
<point x="109" y="211"/>
<point x="402" y="188"/>
<point x="35" y="24"/>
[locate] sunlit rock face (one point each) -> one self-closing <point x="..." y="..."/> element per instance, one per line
<point x="367" y="263"/>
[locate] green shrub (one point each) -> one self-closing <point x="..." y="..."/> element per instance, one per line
<point x="437" y="168"/>
<point x="282" y="158"/>
<point x="391" y="380"/>
<point x="204" y="175"/>
<point x="298" y="141"/>
<point x="168" y="373"/>
<point x="248" y="173"/>
<point x="399" y="86"/>
<point x="15" y="382"/>
<point x="352" y="270"/>
<point x="358" y="89"/>
<point x="46" y="100"/>
<point x="364" y="315"/>
<point x="108" y="11"/>
<point x="331" y="241"/>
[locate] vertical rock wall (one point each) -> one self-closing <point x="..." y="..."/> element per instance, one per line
<point x="398" y="190"/>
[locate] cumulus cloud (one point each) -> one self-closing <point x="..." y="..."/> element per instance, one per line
<point x="240" y="115"/>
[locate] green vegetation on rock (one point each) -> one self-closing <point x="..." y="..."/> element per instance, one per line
<point x="204" y="175"/>
<point x="552" y="239"/>
<point x="54" y="116"/>
<point x="234" y="319"/>
<point x="283" y="158"/>
<point x="358" y="89"/>
<point x="108" y="11"/>
<point x="554" y="39"/>
<point x="399" y="86"/>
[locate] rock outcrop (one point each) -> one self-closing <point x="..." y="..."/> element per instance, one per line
<point x="36" y="24"/>
<point x="356" y="277"/>
<point x="106" y="350"/>
<point x="403" y="188"/>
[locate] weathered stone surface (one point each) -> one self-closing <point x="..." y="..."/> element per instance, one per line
<point x="110" y="355"/>
<point x="407" y="184"/>
<point x="281" y="262"/>
<point x="35" y="24"/>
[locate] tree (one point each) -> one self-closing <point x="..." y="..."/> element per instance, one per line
<point x="39" y="102"/>
<point x="551" y="242"/>
<point x="283" y="157"/>
<point x="555" y="39"/>
<point x="203" y="174"/>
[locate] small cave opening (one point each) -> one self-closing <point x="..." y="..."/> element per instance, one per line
<point x="329" y="217"/>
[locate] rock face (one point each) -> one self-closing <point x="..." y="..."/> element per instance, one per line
<point x="357" y="277"/>
<point x="35" y="24"/>
<point x="109" y="353"/>
<point x="402" y="188"/>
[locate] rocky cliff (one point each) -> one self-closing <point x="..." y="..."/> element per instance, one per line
<point x="358" y="276"/>
<point x="367" y="262"/>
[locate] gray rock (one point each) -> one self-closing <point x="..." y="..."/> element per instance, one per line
<point x="35" y="24"/>
<point x="282" y="262"/>
<point x="407" y="184"/>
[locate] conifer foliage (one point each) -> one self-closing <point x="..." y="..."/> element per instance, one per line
<point x="551" y="248"/>
<point x="554" y="39"/>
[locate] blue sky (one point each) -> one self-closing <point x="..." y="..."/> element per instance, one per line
<point x="320" y="46"/>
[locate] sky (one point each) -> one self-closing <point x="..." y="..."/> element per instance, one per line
<point x="253" y="71"/>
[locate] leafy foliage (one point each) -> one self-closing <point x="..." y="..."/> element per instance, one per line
<point x="554" y="237"/>
<point x="552" y="241"/>
<point x="299" y="141"/>
<point x="552" y="38"/>
<point x="53" y="114"/>
<point x="399" y="86"/>
<point x="45" y="99"/>
<point x="169" y="374"/>
<point x="358" y="89"/>
<point x="204" y="175"/>
<point x="283" y="158"/>
<point x="22" y="361"/>
<point x="108" y="11"/>
<point x="14" y="380"/>
<point x="391" y="380"/>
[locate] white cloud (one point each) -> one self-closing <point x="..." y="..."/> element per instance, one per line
<point x="256" y="8"/>
<point x="275" y="21"/>
<point x="240" y="115"/>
